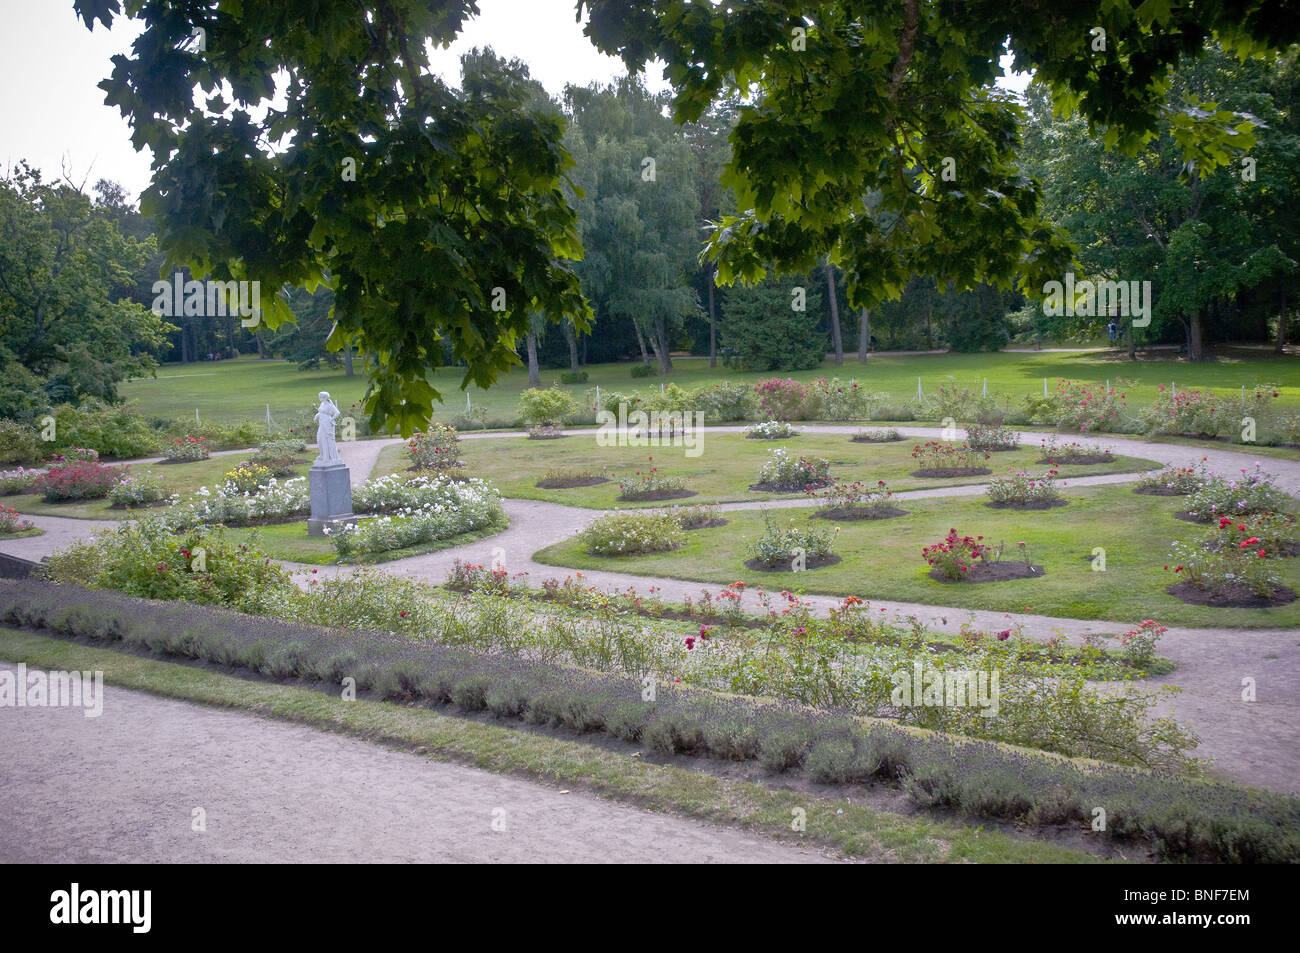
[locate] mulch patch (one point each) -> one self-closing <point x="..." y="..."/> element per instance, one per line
<point x="839" y="513"/>
<point x="999" y="571"/>
<point x="570" y="484"/>
<point x="856" y="439"/>
<point x="952" y="472"/>
<point x="1037" y="505"/>
<point x="1084" y="460"/>
<point x="1158" y="491"/>
<point x="780" y="488"/>
<point x="1235" y="597"/>
<point x="817" y="563"/>
<point x="659" y="495"/>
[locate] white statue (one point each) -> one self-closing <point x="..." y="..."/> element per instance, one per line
<point x="328" y="412"/>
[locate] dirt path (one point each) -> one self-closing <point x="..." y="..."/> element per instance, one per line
<point x="121" y="788"/>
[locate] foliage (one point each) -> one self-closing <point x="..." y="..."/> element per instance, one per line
<point x="724" y="402"/>
<point x="82" y="480"/>
<point x="955" y="556"/>
<point x="573" y="377"/>
<point x="19" y="443"/>
<point x="644" y="370"/>
<point x="114" y="430"/>
<point x="1024" y="488"/>
<point x="218" y="436"/>
<point x="786" y="399"/>
<point x="546" y="408"/>
<point x="837" y="400"/>
<point x="939" y="455"/>
<point x="1255" y="491"/>
<point x="632" y="534"/>
<point x="11" y="521"/>
<point x="781" y="545"/>
<point x="279" y="456"/>
<point x="435" y="448"/>
<point x="781" y="471"/>
<point x="764" y="332"/>
<point x="136" y="490"/>
<point x="186" y="449"/>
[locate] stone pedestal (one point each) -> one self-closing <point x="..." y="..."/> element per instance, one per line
<point x="331" y="498"/>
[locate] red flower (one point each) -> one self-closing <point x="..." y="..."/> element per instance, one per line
<point x="1004" y="635"/>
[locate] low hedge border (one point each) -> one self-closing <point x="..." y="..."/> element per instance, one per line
<point x="1176" y="818"/>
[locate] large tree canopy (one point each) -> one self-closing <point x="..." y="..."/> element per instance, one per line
<point x="873" y="132"/>
<point x="453" y="224"/>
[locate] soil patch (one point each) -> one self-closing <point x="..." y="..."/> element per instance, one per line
<point x="817" y="563"/>
<point x="1235" y="597"/>
<point x="839" y="513"/>
<point x="782" y="488"/>
<point x="999" y="571"/>
<point x="1036" y="505"/>
<point x="941" y="472"/>
<point x="571" y="483"/>
<point x="659" y="495"/>
<point x="856" y="439"/>
<point x="1081" y="461"/>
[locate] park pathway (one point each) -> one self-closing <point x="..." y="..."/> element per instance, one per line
<point x="124" y="786"/>
<point x="1256" y="743"/>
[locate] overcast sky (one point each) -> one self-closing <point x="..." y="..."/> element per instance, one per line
<point x="53" y="114"/>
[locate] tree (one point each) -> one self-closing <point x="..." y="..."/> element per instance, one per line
<point x="67" y="274"/>
<point x="304" y="144"/>
<point x="770" y="326"/>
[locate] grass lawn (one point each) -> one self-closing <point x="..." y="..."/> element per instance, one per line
<point x="723" y="472"/>
<point x="290" y="542"/>
<point x="182" y="478"/>
<point x="21" y="534"/>
<point x="882" y="559"/>
<point x="233" y="390"/>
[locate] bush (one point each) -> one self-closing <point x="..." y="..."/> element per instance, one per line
<point x="442" y="509"/>
<point x="991" y="437"/>
<point x="648" y="483"/>
<point x="777" y="545"/>
<point x="963" y="403"/>
<point x="1202" y="414"/>
<point x="226" y="504"/>
<point x="186" y="449"/>
<point x="781" y="472"/>
<point x="1254" y="492"/>
<point x="217" y="436"/>
<point x="437" y="448"/>
<point x="19" y="443"/>
<point x="955" y="556"/>
<point x="1176" y="479"/>
<point x="20" y="481"/>
<point x="644" y="370"/>
<point x="696" y="515"/>
<point x="1080" y="407"/>
<point x="937" y="455"/>
<point x="280" y="456"/>
<point x="1274" y="533"/>
<point x="573" y="377"/>
<point x="840" y="401"/>
<point x="877" y="436"/>
<point x="546" y="408"/>
<point x="632" y="534"/>
<point x="771" y="430"/>
<point x="248" y="477"/>
<point x="1023" y="489"/>
<point x="1228" y="569"/>
<point x="114" y="430"/>
<point x="136" y="490"/>
<point x="786" y="399"/>
<point x="77" y="481"/>
<point x="11" y="521"/>
<point x="855" y="498"/>
<point x="1055" y="451"/>
<point x="724" y="402"/>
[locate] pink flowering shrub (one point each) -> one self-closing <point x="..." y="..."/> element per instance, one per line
<point x="786" y="399"/>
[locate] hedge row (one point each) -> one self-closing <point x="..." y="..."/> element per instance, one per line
<point x="1177" y="818"/>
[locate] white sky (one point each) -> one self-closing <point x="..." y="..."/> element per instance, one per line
<point x="52" y="113"/>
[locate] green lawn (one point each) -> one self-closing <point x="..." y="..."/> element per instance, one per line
<point x="182" y="478"/>
<point x="882" y="559"/>
<point x="233" y="390"/>
<point x="723" y="472"/>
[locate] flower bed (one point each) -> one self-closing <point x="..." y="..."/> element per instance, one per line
<point x="782" y="473"/>
<point x="969" y="559"/>
<point x="248" y="477"/>
<point x="888" y="435"/>
<point x="697" y="516"/>
<point x="136" y="490"/>
<point x="790" y="548"/>
<point x="1074" y="453"/>
<point x="563" y="478"/>
<point x="18" y="481"/>
<point x="1174" y="481"/>
<point x="1235" y="570"/>
<point x="650" y="484"/>
<point x="280" y="456"/>
<point x="856" y="501"/>
<point x="840" y="401"/>
<point x="939" y="459"/>
<point x="786" y="399"/>
<point x="771" y="430"/>
<point x="186" y="449"/>
<point x="83" y="480"/>
<point x="1023" y="491"/>
<point x="991" y="437"/>
<point x="437" y="448"/>
<point x="632" y="534"/>
<point x="442" y="510"/>
<point x="1254" y="492"/>
<point x="12" y="522"/>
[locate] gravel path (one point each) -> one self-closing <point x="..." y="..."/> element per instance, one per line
<point x="124" y="786"/>
<point x="1256" y="743"/>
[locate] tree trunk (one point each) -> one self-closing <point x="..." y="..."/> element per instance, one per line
<point x="640" y="340"/>
<point x="571" y="335"/>
<point x="347" y="359"/>
<point x="1195" y="349"/>
<point x="864" y="335"/>
<point x="662" y="348"/>
<point x="837" y="340"/>
<point x="713" y="325"/>
<point x="929" y="324"/>
<point x="261" y="351"/>
<point x="1280" y="345"/>
<point x="534" y="375"/>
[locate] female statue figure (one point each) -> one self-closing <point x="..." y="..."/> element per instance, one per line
<point x="325" y="416"/>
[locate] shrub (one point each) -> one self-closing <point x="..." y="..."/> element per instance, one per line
<point x="856" y="497"/>
<point x="1176" y="479"/>
<point x="1254" y="492"/>
<point x="19" y="443"/>
<point x="648" y="483"/>
<point x="724" y="402"/>
<point x="877" y="436"/>
<point x="777" y="545"/>
<point x="1079" y="407"/>
<point x="644" y="370"/>
<point x="632" y="534"/>
<point x="786" y="399"/>
<point x="1205" y="414"/>
<point x="73" y="455"/>
<point x="937" y="455"/>
<point x="77" y="481"/>
<point x="218" y="436"/>
<point x="843" y="401"/>
<point x="1024" y="489"/>
<point x="279" y="455"/>
<point x="573" y="377"/>
<point x="226" y="504"/>
<point x="695" y="516"/>
<point x="1057" y="452"/>
<point x="186" y="449"/>
<point x="11" y="521"/>
<point x="546" y="408"/>
<point x="991" y="437"/>
<point x="963" y="403"/>
<point x="771" y="430"/>
<point x="781" y="472"/>
<point x="248" y="477"/>
<point x="114" y="430"/>
<point x="1274" y="533"/>
<point x="1227" y="570"/>
<point x="470" y="418"/>
<point x="19" y="481"/>
<point x="437" y="448"/>
<point x="954" y="556"/>
<point x="136" y="490"/>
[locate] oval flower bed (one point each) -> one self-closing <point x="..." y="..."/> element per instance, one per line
<point x="969" y="559"/>
<point x="1234" y="566"/>
<point x="563" y="478"/>
<point x="652" y="485"/>
<point x="939" y="459"/>
<point x="783" y="474"/>
<point x="856" y="501"/>
<point x="633" y="534"/>
<point x="1021" y="491"/>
